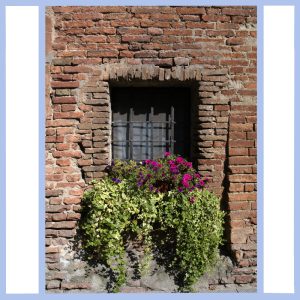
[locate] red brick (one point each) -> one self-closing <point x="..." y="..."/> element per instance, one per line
<point x="61" y="225"/>
<point x="73" y="216"/>
<point x="131" y="31"/>
<point x="68" y="107"/>
<point x="72" y="200"/>
<point x="238" y="238"/>
<point x="68" y="115"/>
<point x="84" y="162"/>
<point x="191" y="10"/>
<point x="65" y="84"/>
<point x="75" y="154"/>
<point x="252" y="152"/>
<point x="73" y="178"/>
<point x="221" y="107"/>
<point x="237" y="224"/>
<point x="164" y="17"/>
<point x="235" y="41"/>
<point x="241" y="169"/>
<point x="242" y="160"/>
<point x="64" y="131"/>
<point x="239" y="12"/>
<point x="59" y="217"/>
<point x="234" y="62"/>
<point x="243" y="205"/>
<point x="75" y="285"/>
<point x="146" y="53"/>
<point x="236" y="187"/>
<point x="238" y="151"/>
<point x="135" y="38"/>
<point x="237" y="118"/>
<point x="61" y="100"/>
<point x="54" y="177"/>
<point x="244" y="279"/>
<point x="215" y="18"/>
<point x="242" y="178"/>
<point x="76" y="69"/>
<point x="61" y="146"/>
<point x="249" y="187"/>
<point x="79" y="24"/>
<point x="242" y="197"/>
<point x="251" y="135"/>
<point x="94" y="39"/>
<point x="103" y="53"/>
<point x="247" y="92"/>
<point x="199" y="25"/>
<point x="237" y="135"/>
<point x="241" y="143"/>
<point x="155" y="31"/>
<point x="182" y="32"/>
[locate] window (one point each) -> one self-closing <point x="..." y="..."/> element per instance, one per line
<point x="146" y="122"/>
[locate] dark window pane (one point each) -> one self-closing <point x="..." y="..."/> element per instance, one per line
<point x="149" y="121"/>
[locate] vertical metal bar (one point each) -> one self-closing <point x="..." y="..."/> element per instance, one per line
<point x="151" y="120"/>
<point x="168" y="133"/>
<point x="147" y="136"/>
<point x="172" y="129"/>
<point x="130" y="133"/>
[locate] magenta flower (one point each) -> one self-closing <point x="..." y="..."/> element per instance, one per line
<point x="167" y="154"/>
<point x="179" y="160"/>
<point x="186" y="183"/>
<point x="189" y="164"/>
<point x="187" y="177"/>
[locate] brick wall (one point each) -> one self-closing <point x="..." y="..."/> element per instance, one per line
<point x="88" y="50"/>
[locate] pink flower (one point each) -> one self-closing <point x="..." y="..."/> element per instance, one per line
<point x="185" y="180"/>
<point x="189" y="164"/>
<point x="185" y="183"/>
<point x="167" y="154"/>
<point x="187" y="177"/>
<point x="179" y="160"/>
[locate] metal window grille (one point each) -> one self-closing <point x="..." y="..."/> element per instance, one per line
<point x="149" y="141"/>
<point x="148" y="122"/>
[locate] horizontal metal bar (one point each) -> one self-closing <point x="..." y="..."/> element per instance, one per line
<point x="141" y="141"/>
<point x="152" y="122"/>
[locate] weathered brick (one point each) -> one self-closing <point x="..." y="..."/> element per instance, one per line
<point x="242" y="160"/>
<point x="236" y="187"/>
<point x="242" y="196"/>
<point x="103" y="53"/>
<point x="73" y="200"/>
<point x="65" y="84"/>
<point x="61" y="225"/>
<point x="242" y="178"/>
<point x="238" y="151"/>
<point x="90" y="47"/>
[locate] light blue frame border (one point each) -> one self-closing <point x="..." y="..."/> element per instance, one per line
<point x="42" y="4"/>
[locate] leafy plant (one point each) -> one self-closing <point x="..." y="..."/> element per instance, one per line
<point x="159" y="203"/>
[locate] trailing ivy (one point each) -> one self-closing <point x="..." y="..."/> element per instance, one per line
<point x="146" y="201"/>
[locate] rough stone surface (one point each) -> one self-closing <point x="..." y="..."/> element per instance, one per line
<point x="212" y="50"/>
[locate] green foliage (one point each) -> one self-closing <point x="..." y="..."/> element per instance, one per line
<point x="114" y="210"/>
